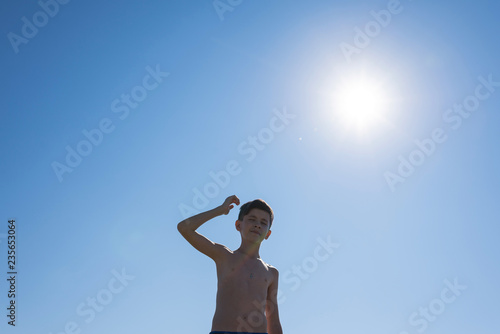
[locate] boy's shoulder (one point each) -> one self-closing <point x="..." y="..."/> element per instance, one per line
<point x="271" y="268"/>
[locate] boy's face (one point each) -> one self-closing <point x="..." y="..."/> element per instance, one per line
<point x="255" y="225"/>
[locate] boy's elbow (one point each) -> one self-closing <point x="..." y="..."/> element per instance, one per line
<point x="275" y="329"/>
<point x="181" y="228"/>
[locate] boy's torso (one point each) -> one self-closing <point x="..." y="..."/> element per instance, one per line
<point x="241" y="294"/>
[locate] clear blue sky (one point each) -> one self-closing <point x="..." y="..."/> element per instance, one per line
<point x="116" y="208"/>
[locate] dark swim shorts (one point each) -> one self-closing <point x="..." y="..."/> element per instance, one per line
<point x="217" y="332"/>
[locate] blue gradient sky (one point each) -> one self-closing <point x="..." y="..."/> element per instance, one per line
<point x="118" y="208"/>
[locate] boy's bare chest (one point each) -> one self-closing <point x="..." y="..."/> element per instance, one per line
<point x="240" y="271"/>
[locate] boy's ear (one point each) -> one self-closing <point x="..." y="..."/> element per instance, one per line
<point x="268" y="234"/>
<point x="237" y="224"/>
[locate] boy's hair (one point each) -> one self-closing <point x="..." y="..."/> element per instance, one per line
<point x="256" y="204"/>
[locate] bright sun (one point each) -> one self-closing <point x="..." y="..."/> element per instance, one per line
<point x="360" y="103"/>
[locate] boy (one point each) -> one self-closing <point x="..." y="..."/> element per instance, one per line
<point x="246" y="286"/>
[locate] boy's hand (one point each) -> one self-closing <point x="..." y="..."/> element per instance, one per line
<point x="228" y="204"/>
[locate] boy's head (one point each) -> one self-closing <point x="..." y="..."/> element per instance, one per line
<point x="256" y="204"/>
<point x="256" y="214"/>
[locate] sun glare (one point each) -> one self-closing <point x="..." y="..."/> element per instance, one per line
<point x="360" y="103"/>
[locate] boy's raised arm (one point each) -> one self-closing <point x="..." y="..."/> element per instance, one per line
<point x="188" y="227"/>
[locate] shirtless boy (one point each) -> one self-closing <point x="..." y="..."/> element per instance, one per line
<point x="246" y="286"/>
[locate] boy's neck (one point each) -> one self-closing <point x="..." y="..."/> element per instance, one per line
<point x="249" y="250"/>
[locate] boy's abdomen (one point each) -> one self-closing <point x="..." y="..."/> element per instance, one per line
<point x="228" y="320"/>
